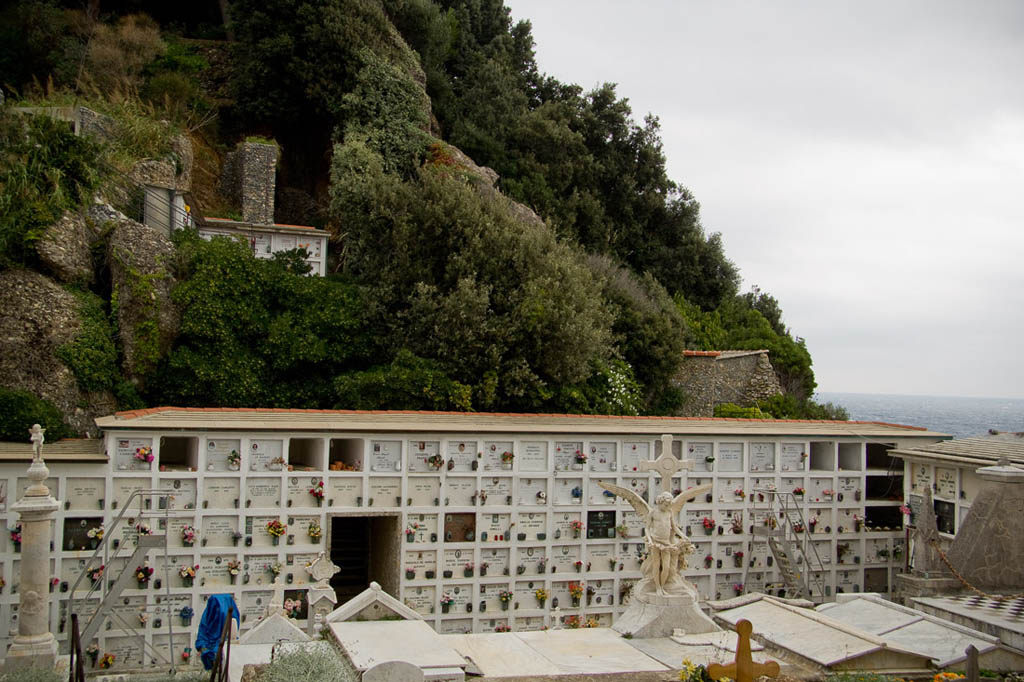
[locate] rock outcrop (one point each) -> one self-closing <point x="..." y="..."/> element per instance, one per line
<point x="65" y="249"/>
<point x="39" y="318"/>
<point x="140" y="261"/>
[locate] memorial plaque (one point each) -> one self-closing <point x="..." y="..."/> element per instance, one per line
<point x="213" y="570"/>
<point x="296" y="564"/>
<point x="921" y="476"/>
<point x="762" y="457"/>
<point x="218" y="531"/>
<point x="460" y="527"/>
<point x="461" y="455"/>
<point x="76" y="533"/>
<point x="262" y="493"/>
<point x="730" y="456"/>
<point x="600" y="524"/>
<point x="792" y="457"/>
<point x="565" y="455"/>
<point x="457" y="626"/>
<point x="298" y="494"/>
<point x="300" y="529"/>
<point x="385" y="455"/>
<point x="385" y="492"/>
<point x="497" y="561"/>
<point x="564" y="557"/>
<point x="490" y="594"/>
<point x="424" y="491"/>
<point x="561" y="523"/>
<point x="726" y="488"/>
<point x="462" y="594"/>
<point x="426" y="526"/>
<point x="529" y="623"/>
<point x="532" y="559"/>
<point x="421" y="599"/>
<point x="633" y="453"/>
<point x="70" y="569"/>
<point x="217" y="452"/>
<point x="460" y="491"/>
<point x="533" y="456"/>
<point x="533" y="492"/>
<point x="455" y="560"/>
<point x="848" y="484"/>
<point x="182" y="496"/>
<point x="252" y="605"/>
<point x="568" y="490"/>
<point x="603" y="457"/>
<point x="637" y="485"/>
<point x="634" y="523"/>
<point x="493" y="451"/>
<point x="266" y="455"/>
<point x="344" y="491"/>
<point x="945" y="481"/>
<point x="524" y="593"/>
<point x="698" y="453"/>
<point x="495" y="526"/>
<point x="560" y="590"/>
<point x="256" y="527"/>
<point x="221" y="493"/>
<point x="600" y="556"/>
<point x="258" y="566"/>
<point x="419" y="451"/>
<point x="421" y="561"/>
<point x="598" y="495"/>
<point x="126" y="650"/>
<point x="125" y="450"/>
<point x="824" y="550"/>
<point x="498" y="491"/>
<point x="79" y="494"/>
<point x="531" y="524"/>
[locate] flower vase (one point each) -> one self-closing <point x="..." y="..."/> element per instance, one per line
<point x="143" y="584"/>
<point x="275" y="540"/>
<point x="319" y="501"/>
<point x="540" y="603"/>
<point x="233" y="577"/>
<point x="93" y="658"/>
<point x="709" y="531"/>
<point x="737" y="562"/>
<point x="17" y="546"/>
<point x="445" y="608"/>
<point x="579" y="569"/>
<point x="94" y="543"/>
<point x="410" y="575"/>
<point x="467" y="572"/>
<point x="575" y="533"/>
<point x="186" y="621"/>
<point x="410" y="537"/>
<point x="187" y="582"/>
<point x="483" y="571"/>
<point x="575" y="601"/>
<point x="504" y="606"/>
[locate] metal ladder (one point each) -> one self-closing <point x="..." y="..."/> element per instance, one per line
<point x="790" y="549"/>
<point x="110" y="591"/>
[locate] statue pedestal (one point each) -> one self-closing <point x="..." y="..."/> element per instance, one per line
<point x="38" y="651"/>
<point x="653" y="615"/>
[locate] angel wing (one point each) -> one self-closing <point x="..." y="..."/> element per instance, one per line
<point x="682" y="498"/>
<point x="637" y="502"/>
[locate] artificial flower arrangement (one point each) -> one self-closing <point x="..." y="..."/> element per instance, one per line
<point x="186" y="613"/>
<point x="188" y="572"/>
<point x="234" y="566"/>
<point x="798" y="491"/>
<point x="507" y="457"/>
<point x="447" y="599"/>
<point x="96" y="533"/>
<point x="15" y="534"/>
<point x="502" y="627"/>
<point x="96" y="574"/>
<point x="413" y="527"/>
<point x="144" y="454"/>
<point x="622" y="530"/>
<point x="275" y="568"/>
<point x="541" y="594"/>
<point x="738" y="588"/>
<point x="505" y="596"/>
<point x="107" y="660"/>
<point x="575" y="590"/>
<point x="828" y="492"/>
<point x="576" y="526"/>
<point x="708" y="560"/>
<point x="578" y="564"/>
<point x="143" y="573"/>
<point x="276" y="528"/>
<point x="708" y="523"/>
<point x="93" y="652"/>
<point x="186" y="654"/>
<point x="143" y="529"/>
<point x="739" y="492"/>
<point x="234" y="459"/>
<point x="314" y="531"/>
<point x="435" y="460"/>
<point x="188" y="536"/>
<point x="317" y="490"/>
<point x="581" y="457"/>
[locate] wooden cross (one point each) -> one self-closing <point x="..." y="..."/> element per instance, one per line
<point x="666" y="465"/>
<point x="743" y="669"/>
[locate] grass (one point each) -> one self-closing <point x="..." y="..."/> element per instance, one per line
<point x="324" y="662"/>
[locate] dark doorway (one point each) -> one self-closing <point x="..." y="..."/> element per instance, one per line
<point x="365" y="549"/>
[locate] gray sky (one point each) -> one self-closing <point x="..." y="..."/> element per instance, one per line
<point x="863" y="160"/>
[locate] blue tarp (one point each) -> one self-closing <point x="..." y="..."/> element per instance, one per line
<point x="212" y="625"/>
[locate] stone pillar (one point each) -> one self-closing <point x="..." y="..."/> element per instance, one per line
<point x="258" y="182"/>
<point x="34" y="645"/>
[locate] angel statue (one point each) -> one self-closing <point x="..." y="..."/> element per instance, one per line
<point x="667" y="545"/>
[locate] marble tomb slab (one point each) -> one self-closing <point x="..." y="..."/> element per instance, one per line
<point x="368" y="643"/>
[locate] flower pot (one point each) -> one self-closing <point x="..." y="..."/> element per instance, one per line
<point x="274" y="540"/>
<point x="445" y="608"/>
<point x="446" y="574"/>
<point x="709" y="466"/>
<point x="143" y="584"/>
<point x="540" y="568"/>
<point x="540" y="602"/>
<point x="575" y="533"/>
<point x="519" y="536"/>
<point x="575" y="601"/>
<point x="504" y="606"/>
<point x="187" y="582"/>
<point x="410" y="537"/>
<point x="483" y="571"/>
<point x="520" y="570"/>
<point x="467" y="572"/>
<point x="737" y="562"/>
<point x="709" y="531"/>
<point x="409" y="575"/>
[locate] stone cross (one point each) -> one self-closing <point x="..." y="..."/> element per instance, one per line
<point x="743" y="669"/>
<point x="37" y="439"/>
<point x="666" y="465"/>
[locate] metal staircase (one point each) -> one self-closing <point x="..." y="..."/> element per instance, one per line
<point x="109" y="588"/>
<point x="789" y="540"/>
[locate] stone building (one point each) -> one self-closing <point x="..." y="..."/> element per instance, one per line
<point x="435" y="504"/>
<point x="715" y="377"/>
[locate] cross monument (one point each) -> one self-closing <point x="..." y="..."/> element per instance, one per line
<point x="743" y="669"/>
<point x="666" y="465"/>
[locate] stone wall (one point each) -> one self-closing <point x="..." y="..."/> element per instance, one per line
<point x="249" y="178"/>
<point x="711" y="378"/>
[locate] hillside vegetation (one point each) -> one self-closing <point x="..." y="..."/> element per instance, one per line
<point x="500" y="240"/>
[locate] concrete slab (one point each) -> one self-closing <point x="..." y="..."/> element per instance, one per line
<point x="554" y="652"/>
<point x="368" y="643"/>
<point x="723" y="639"/>
<point x="944" y="645"/>
<point x="868" y="615"/>
<point x="1002" y="619"/>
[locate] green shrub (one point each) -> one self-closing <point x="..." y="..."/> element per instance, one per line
<point x="19" y="410"/>
<point x="734" y="411"/>
<point x="92" y="356"/>
<point x="321" y="663"/>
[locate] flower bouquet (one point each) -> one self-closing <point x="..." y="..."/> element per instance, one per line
<point x="234" y="566"/>
<point x="186" y="614"/>
<point x="709" y="525"/>
<point x="505" y="596"/>
<point x="143" y="574"/>
<point x="446" y="602"/>
<point x="188" y="574"/>
<point x="234" y="460"/>
<point x="577" y="527"/>
<point x="317" y="491"/>
<point x="188" y="536"/>
<point x="93" y="652"/>
<point x="575" y="592"/>
<point x="96" y="574"/>
<point x="144" y="454"/>
<point x="107" y="660"/>
<point x="541" y="595"/>
<point x="314" y="531"/>
<point x="276" y="529"/>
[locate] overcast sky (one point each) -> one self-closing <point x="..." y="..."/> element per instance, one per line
<point x="863" y="160"/>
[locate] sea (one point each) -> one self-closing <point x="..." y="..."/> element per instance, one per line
<point x="960" y="417"/>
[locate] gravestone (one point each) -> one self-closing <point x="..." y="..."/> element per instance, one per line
<point x="393" y="671"/>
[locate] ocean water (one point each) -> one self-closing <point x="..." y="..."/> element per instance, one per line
<point x="961" y="417"/>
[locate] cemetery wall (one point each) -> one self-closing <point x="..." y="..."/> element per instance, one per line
<point x="467" y="522"/>
<point x="711" y="378"/>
